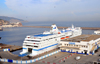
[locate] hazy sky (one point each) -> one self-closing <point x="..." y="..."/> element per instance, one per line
<point x="51" y="10"/>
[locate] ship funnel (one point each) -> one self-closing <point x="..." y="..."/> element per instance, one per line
<point x="54" y="28"/>
<point x="72" y="26"/>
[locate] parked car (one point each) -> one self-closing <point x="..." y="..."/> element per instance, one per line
<point x="78" y="58"/>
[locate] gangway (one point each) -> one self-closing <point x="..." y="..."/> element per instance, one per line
<point x="25" y="54"/>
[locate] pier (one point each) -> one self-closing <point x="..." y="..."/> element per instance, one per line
<point x="84" y="28"/>
<point x="10" y="47"/>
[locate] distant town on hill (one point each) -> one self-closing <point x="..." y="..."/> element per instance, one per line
<point x="11" y="19"/>
<point x="4" y="23"/>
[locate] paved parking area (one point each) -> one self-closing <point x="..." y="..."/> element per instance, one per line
<point x="85" y="59"/>
<point x="54" y="59"/>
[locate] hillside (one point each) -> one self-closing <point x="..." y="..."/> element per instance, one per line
<point x="4" y="22"/>
<point x="11" y="19"/>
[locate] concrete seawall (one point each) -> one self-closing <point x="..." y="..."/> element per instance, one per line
<point x="85" y="28"/>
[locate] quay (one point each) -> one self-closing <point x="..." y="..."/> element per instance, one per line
<point x="10" y="47"/>
<point x="6" y="56"/>
<point x="57" y="58"/>
<point x="84" y="28"/>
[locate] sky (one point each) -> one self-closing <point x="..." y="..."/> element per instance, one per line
<point x="51" y="10"/>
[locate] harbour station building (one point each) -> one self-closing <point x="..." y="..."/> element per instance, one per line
<point x="83" y="44"/>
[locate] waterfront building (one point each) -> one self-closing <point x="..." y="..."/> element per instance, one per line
<point x="83" y="44"/>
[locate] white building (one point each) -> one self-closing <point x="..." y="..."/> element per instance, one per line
<point x="83" y="44"/>
<point x="15" y="24"/>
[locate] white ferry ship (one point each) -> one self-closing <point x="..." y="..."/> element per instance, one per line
<point x="49" y="40"/>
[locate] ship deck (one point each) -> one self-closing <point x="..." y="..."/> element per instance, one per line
<point x="82" y="38"/>
<point x="42" y="35"/>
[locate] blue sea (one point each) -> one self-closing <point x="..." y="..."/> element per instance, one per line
<point x="16" y="35"/>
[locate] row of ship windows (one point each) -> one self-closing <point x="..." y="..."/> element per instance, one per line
<point x="36" y="46"/>
<point x="48" y="39"/>
<point x="33" y="40"/>
<point x="32" y="46"/>
<point x="39" y="41"/>
<point x="33" y="43"/>
<point x="76" y="45"/>
<point x="45" y="39"/>
<point x="54" y="37"/>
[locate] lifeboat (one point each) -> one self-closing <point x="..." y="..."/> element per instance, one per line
<point x="62" y="38"/>
<point x="67" y="36"/>
<point x="58" y="32"/>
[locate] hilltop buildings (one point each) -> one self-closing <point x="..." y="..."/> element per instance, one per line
<point x="4" y="23"/>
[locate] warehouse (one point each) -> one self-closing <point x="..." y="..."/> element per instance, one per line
<point x="83" y="44"/>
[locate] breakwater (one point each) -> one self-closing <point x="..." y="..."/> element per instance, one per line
<point x="84" y="28"/>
